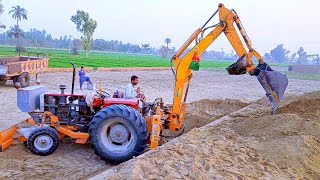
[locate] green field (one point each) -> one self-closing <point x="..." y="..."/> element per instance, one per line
<point x="302" y="76"/>
<point x="61" y="59"/>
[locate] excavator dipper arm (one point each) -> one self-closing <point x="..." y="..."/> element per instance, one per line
<point x="268" y="78"/>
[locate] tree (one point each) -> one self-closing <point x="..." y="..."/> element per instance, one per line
<point x="167" y="41"/>
<point x="86" y="26"/>
<point x="145" y="46"/>
<point x="18" y="13"/>
<point x="100" y="45"/>
<point x="70" y="41"/>
<point x="315" y="58"/>
<point x="76" y="46"/>
<point x="279" y="54"/>
<point x="303" y="57"/>
<point x="267" y="56"/>
<point x="16" y="32"/>
<point x="1" y="12"/>
<point x="293" y="57"/>
<point x="1" y="8"/>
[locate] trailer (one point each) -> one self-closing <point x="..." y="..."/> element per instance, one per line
<point x="19" y="69"/>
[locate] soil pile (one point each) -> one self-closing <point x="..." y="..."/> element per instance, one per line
<point x="200" y="113"/>
<point x="249" y="143"/>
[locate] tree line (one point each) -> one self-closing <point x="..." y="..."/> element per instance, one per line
<point x="282" y="55"/>
<point x="87" y="26"/>
<point x="84" y="24"/>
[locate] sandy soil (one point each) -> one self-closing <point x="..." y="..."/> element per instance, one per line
<point x="216" y="95"/>
<point x="246" y="144"/>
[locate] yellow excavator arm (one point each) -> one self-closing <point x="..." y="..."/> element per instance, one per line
<point x="274" y="83"/>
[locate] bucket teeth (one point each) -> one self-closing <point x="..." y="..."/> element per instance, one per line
<point x="275" y="84"/>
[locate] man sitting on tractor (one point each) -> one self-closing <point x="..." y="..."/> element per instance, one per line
<point x="83" y="77"/>
<point x="130" y="91"/>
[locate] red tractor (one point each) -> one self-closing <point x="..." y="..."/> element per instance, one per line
<point x="112" y="125"/>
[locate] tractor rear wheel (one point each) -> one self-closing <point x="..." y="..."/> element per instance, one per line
<point x="117" y="133"/>
<point x="23" y="79"/>
<point x="43" y="141"/>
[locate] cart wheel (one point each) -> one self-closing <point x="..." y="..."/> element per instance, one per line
<point x="23" y="79"/>
<point x="3" y="82"/>
<point x="43" y="141"/>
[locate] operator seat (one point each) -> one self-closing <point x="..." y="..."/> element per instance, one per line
<point x="118" y="94"/>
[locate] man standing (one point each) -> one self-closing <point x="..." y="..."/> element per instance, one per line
<point x="130" y="92"/>
<point x="82" y="77"/>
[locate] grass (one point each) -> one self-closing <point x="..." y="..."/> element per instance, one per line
<point x="303" y="76"/>
<point x="62" y="58"/>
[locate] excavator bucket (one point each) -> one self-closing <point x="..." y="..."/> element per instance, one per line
<point x="275" y="84"/>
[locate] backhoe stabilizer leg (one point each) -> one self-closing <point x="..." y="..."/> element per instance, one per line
<point x="275" y="84"/>
<point x="6" y="137"/>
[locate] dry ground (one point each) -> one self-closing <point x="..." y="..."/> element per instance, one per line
<point x="246" y="144"/>
<point x="74" y="161"/>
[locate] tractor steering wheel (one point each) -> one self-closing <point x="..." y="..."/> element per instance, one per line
<point x="103" y="94"/>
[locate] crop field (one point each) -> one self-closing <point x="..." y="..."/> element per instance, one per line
<point x="61" y="58"/>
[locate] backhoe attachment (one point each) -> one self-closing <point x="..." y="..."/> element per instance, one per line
<point x="273" y="82"/>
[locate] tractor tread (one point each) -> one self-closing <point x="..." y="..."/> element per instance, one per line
<point x="130" y="115"/>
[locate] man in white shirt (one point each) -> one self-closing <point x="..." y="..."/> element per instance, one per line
<point x="130" y="92"/>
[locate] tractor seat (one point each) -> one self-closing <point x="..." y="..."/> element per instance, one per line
<point x="118" y="94"/>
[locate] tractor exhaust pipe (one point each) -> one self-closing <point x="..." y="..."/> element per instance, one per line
<point x="73" y="78"/>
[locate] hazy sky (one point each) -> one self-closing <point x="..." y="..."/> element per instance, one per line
<point x="294" y="23"/>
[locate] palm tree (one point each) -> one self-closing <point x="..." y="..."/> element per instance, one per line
<point x="18" y="13"/>
<point x="1" y="12"/>
<point x="15" y="32"/>
<point x="167" y="41"/>
<point x="1" y="8"/>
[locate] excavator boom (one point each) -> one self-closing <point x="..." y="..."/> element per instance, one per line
<point x="273" y="82"/>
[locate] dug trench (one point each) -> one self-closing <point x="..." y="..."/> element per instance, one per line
<point x="72" y="161"/>
<point x="249" y="143"/>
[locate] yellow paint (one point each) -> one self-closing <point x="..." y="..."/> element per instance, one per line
<point x="229" y="21"/>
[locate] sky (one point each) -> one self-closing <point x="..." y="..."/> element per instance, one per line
<point x="294" y="23"/>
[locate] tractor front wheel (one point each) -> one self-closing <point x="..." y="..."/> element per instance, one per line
<point x="117" y="133"/>
<point x="43" y="141"/>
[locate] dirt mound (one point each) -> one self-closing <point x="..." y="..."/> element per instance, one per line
<point x="291" y="138"/>
<point x="249" y="143"/>
<point x="200" y="113"/>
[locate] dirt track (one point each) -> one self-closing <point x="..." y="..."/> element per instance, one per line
<point x="74" y="161"/>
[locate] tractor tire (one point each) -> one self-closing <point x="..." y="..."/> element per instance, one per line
<point x="23" y="79"/>
<point x="117" y="133"/>
<point x="3" y="82"/>
<point x="43" y="141"/>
